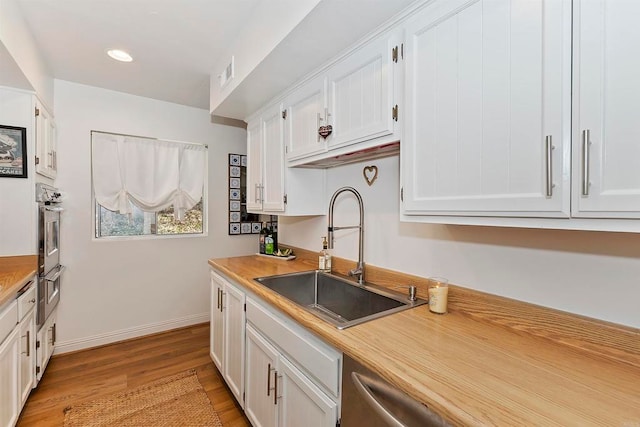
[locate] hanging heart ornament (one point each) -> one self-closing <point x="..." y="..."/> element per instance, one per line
<point x="325" y="131"/>
<point x="370" y="174"/>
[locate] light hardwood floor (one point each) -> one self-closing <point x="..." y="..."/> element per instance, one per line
<point x="88" y="374"/>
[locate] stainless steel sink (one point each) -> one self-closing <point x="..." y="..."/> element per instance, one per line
<point x="338" y="301"/>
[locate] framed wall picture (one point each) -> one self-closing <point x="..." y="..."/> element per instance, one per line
<point x="13" y="152"/>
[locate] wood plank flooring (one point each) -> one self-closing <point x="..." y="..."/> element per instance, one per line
<point x="89" y="374"/>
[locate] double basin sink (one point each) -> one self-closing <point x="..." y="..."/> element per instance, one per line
<point x="338" y="301"/>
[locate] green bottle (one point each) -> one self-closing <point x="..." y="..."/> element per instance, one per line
<point x="269" y="244"/>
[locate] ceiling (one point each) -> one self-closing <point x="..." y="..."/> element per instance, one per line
<point x="177" y="43"/>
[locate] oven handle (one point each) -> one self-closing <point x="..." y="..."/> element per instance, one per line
<point x="55" y="277"/>
<point x="54" y="209"/>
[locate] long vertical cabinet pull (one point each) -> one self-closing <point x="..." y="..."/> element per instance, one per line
<point x="548" y="143"/>
<point x="221" y="300"/>
<point x="28" y="338"/>
<point x="268" y="379"/>
<point x="586" y="142"/>
<point x="275" y="387"/>
<point x="218" y="306"/>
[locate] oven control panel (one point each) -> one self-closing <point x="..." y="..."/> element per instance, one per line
<point x="47" y="194"/>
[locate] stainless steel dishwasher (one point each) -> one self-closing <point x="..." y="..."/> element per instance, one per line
<point x="368" y="400"/>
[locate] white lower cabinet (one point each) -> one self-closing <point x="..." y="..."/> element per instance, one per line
<point x="280" y="373"/>
<point x="46" y="343"/>
<point x="27" y="354"/>
<point x="302" y="403"/>
<point x="278" y="393"/>
<point x="9" y="380"/>
<point x="17" y="354"/>
<point x="227" y="333"/>
<point x="262" y="369"/>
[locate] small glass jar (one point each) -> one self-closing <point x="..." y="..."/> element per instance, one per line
<point x="438" y="294"/>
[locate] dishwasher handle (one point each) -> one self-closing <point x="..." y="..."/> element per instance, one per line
<point x="367" y="387"/>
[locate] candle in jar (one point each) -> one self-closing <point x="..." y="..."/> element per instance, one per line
<point x="438" y="295"/>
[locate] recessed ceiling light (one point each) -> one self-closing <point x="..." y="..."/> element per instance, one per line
<point x="119" y="55"/>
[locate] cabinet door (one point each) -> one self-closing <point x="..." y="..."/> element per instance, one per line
<point x="488" y="103"/>
<point x="261" y="369"/>
<point x="273" y="158"/>
<point x="254" y="166"/>
<point x="217" y="323"/>
<point x="234" y="330"/>
<point x="360" y="93"/>
<point x="302" y="403"/>
<point x="9" y="377"/>
<point x="45" y="135"/>
<point x="305" y="114"/>
<point x="47" y="343"/>
<point x="606" y="175"/>
<point x="27" y="354"/>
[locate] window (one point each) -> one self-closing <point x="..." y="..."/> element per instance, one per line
<point x="141" y="223"/>
<point x="138" y="183"/>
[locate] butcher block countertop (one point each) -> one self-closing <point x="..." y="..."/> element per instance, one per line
<point x="489" y="361"/>
<point x="15" y="272"/>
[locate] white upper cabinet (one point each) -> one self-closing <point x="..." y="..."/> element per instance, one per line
<point x="357" y="97"/>
<point x="487" y="109"/>
<point x="254" y="165"/>
<point x="606" y="133"/>
<point x="46" y="140"/>
<point x="273" y="193"/>
<point x="360" y="93"/>
<point x="305" y="111"/>
<point x="273" y="188"/>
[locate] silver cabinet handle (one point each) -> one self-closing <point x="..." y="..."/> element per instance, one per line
<point x="255" y="193"/>
<point x="548" y="143"/>
<point x="268" y="379"/>
<point x="218" y="305"/>
<point x="586" y="142"/>
<point x="28" y="337"/>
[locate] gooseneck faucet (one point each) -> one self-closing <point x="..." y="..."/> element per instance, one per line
<point x="359" y="270"/>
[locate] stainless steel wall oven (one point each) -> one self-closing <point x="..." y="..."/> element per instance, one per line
<point x="49" y="268"/>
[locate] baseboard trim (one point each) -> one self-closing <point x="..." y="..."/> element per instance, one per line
<point x="124" y="334"/>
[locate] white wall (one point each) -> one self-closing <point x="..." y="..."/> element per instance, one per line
<point x="19" y="42"/>
<point x="595" y="274"/>
<point x="116" y="289"/>
<point x="17" y="195"/>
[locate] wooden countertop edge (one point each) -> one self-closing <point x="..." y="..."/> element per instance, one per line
<point x="15" y="272"/>
<point x="440" y="384"/>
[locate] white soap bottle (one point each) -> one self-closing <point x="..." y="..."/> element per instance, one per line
<point x="324" y="258"/>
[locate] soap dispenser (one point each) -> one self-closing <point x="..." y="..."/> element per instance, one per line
<point x="324" y="258"/>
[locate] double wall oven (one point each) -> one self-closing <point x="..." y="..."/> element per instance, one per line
<point x="49" y="268"/>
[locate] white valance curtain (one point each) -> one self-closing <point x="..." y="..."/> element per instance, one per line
<point x="153" y="174"/>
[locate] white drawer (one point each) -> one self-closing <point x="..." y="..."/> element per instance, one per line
<point x="27" y="301"/>
<point x="307" y="351"/>
<point x="8" y="319"/>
